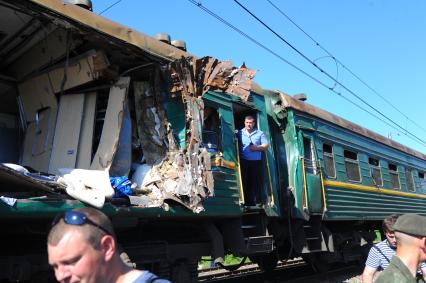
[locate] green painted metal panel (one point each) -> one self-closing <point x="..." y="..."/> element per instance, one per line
<point x="313" y="183"/>
<point x="226" y="200"/>
<point x="345" y="204"/>
<point x="295" y="176"/>
<point x="364" y="169"/>
<point x="339" y="162"/>
<point x="35" y="209"/>
<point x="176" y="115"/>
<point x="270" y="172"/>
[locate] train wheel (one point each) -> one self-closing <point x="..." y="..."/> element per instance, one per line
<point x="318" y="261"/>
<point x="184" y="271"/>
<point x="267" y="262"/>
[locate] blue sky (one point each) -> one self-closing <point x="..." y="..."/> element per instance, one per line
<point x="382" y="42"/>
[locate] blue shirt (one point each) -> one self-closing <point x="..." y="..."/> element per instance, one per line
<point x="148" y="277"/>
<point x="257" y="137"/>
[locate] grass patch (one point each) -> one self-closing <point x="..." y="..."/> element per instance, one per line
<point x="206" y="261"/>
<point x="378" y="237"/>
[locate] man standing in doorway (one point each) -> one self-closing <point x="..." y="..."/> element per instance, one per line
<point x="252" y="143"/>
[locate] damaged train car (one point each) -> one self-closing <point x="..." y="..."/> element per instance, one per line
<point x="96" y="114"/>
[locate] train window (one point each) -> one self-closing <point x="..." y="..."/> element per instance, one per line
<point x="352" y="166"/>
<point x="330" y="168"/>
<point x="211" y="130"/>
<point x="376" y="175"/>
<point x="393" y="172"/>
<point x="422" y="180"/>
<point x="409" y="180"/>
<point x="309" y="156"/>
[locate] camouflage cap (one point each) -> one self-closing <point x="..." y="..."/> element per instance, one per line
<point x="412" y="224"/>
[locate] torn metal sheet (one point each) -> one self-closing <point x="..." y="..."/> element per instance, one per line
<point x="194" y="77"/>
<point x="151" y="119"/>
<point x="182" y="175"/>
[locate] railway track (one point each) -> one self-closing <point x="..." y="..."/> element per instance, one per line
<point x="292" y="271"/>
<point x="345" y="274"/>
<point x="218" y="274"/>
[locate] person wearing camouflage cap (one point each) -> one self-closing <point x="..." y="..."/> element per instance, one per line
<point x="410" y="233"/>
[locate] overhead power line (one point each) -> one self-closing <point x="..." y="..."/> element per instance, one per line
<point x="211" y="13"/>
<point x="109" y="7"/>
<point x="345" y="67"/>
<point x="327" y="74"/>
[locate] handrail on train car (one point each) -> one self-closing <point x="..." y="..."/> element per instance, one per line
<point x="324" y="201"/>
<point x="305" y="191"/>
<point x="270" y="182"/>
<point x="239" y="174"/>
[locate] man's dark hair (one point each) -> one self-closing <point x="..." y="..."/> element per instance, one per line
<point x="91" y="233"/>
<point x="388" y="222"/>
<point x="249" y="117"/>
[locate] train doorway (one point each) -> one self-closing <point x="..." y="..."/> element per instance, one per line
<point x="252" y="164"/>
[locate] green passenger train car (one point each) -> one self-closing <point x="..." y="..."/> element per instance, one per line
<point x="343" y="179"/>
<point x="345" y="172"/>
<point x="79" y="91"/>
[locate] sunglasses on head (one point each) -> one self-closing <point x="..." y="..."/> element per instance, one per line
<point x="77" y="218"/>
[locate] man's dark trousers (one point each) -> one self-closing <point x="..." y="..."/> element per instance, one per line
<point x="252" y="176"/>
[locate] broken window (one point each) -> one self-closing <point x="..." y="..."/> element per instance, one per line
<point x="211" y="130"/>
<point x="409" y="180"/>
<point x="330" y="168"/>
<point x="375" y="172"/>
<point x="393" y="172"/>
<point x="352" y="166"/>
<point x="422" y="180"/>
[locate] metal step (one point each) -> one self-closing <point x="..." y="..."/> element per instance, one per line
<point x="312" y="238"/>
<point x="261" y="244"/>
<point x="248" y="226"/>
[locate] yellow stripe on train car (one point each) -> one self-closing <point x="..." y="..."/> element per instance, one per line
<point x="372" y="189"/>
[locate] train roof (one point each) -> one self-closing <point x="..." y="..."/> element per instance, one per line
<point x="85" y="18"/>
<point x="290" y="102"/>
<point x="162" y="51"/>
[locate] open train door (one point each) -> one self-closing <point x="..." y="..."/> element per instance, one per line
<point x="268" y="195"/>
<point x="312" y="198"/>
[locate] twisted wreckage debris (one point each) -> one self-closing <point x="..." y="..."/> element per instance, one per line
<point x="174" y="170"/>
<point x="185" y="175"/>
